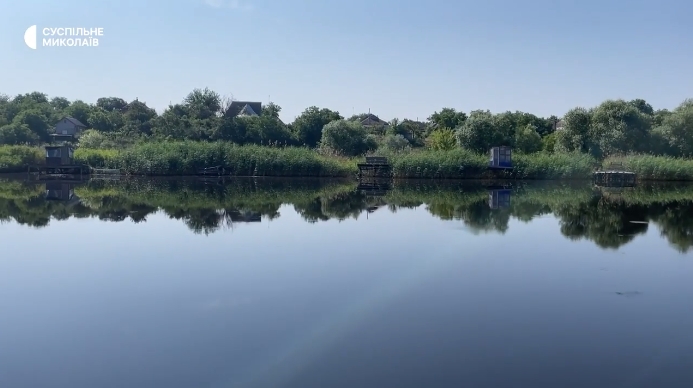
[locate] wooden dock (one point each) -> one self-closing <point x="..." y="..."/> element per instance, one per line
<point x="211" y="171"/>
<point x="375" y="167"/>
<point x="48" y="171"/>
<point x="614" y="175"/>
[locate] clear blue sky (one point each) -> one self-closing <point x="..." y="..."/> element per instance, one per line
<point x="400" y="58"/>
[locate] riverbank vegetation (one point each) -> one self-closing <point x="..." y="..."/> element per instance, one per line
<point x="208" y="130"/>
<point x="601" y="216"/>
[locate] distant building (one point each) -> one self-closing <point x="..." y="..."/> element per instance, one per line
<point x="244" y="108"/>
<point x="558" y="126"/>
<point x="69" y="127"/>
<point x="372" y="120"/>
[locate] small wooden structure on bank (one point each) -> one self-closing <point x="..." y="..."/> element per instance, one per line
<point x="615" y="175"/>
<point x="60" y="161"/>
<point x="375" y="167"/>
<point x="501" y="158"/>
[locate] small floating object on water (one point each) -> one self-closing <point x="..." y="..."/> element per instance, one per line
<point x="628" y="293"/>
<point x="639" y="222"/>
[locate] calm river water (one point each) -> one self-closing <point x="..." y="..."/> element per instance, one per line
<point x="302" y="284"/>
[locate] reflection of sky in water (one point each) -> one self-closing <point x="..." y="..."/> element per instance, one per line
<point x="394" y="297"/>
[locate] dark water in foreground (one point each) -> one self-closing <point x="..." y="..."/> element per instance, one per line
<point x="315" y="284"/>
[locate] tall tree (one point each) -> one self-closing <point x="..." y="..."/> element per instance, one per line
<point x="447" y="118"/>
<point x="203" y="103"/>
<point x="307" y="127"/>
<point x="576" y="129"/>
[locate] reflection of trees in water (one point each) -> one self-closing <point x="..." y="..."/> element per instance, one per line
<point x="341" y="206"/>
<point x="675" y="222"/>
<point x="477" y="216"/>
<point x="604" y="218"/>
<point x="606" y="223"/>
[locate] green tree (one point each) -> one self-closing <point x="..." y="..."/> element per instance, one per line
<point x="659" y="116"/>
<point x="112" y="104"/>
<point x="575" y="133"/>
<point x="442" y="139"/>
<point x="393" y="142"/>
<point x="642" y="106"/>
<point x="618" y="127"/>
<point x="548" y="143"/>
<point x="504" y="125"/>
<point x="94" y="139"/>
<point x="307" y="128"/>
<point x="105" y="121"/>
<point x="203" y="103"/>
<point x="271" y="110"/>
<point x="35" y="120"/>
<point x="447" y="118"/>
<point x="676" y="131"/>
<point x="4" y="106"/>
<point x="527" y="139"/>
<point x="479" y="133"/>
<point x="415" y="131"/>
<point x="79" y="110"/>
<point x="16" y="134"/>
<point x="346" y="138"/>
<point x="59" y="104"/>
<point x="138" y="118"/>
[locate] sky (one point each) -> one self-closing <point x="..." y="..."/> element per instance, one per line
<point x="396" y="58"/>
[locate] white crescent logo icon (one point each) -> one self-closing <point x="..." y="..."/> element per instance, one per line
<point x="30" y="37"/>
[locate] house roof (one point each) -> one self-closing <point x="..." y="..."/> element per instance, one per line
<point x="372" y="119"/>
<point x="247" y="111"/>
<point x="237" y="106"/>
<point x="75" y="121"/>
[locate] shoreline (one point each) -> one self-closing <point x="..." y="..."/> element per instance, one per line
<point x="354" y="179"/>
<point x="186" y="158"/>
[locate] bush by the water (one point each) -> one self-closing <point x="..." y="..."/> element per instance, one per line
<point x="17" y="158"/>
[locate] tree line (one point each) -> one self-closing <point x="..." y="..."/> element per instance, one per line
<point x="613" y="127"/>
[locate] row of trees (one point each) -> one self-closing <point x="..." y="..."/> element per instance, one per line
<point x="615" y="126"/>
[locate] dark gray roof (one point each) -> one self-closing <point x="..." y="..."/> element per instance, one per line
<point x="75" y="121"/>
<point x="237" y="106"/>
<point x="372" y="119"/>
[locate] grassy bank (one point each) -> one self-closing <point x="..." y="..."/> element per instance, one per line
<point x="662" y="168"/>
<point x="464" y="164"/>
<point x="186" y="157"/>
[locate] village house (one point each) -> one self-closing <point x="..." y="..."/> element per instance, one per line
<point x="558" y="126"/>
<point x="372" y="120"/>
<point x="244" y="108"/>
<point x="69" y="126"/>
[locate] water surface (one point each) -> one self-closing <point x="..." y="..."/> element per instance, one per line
<point x="280" y="283"/>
